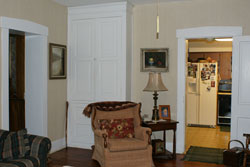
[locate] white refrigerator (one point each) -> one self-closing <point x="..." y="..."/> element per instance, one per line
<point x="201" y="93"/>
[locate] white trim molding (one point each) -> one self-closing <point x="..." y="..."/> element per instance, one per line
<point x="183" y="35"/>
<point x="209" y="32"/>
<point x="23" y="25"/>
<point x="5" y="78"/>
<point x="101" y="8"/>
<point x="29" y="29"/>
<point x="58" y="145"/>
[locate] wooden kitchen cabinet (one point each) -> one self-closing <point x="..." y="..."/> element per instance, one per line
<point x="226" y="65"/>
<point x="224" y="60"/>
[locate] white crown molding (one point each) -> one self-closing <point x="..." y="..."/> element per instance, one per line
<point x="99" y="8"/>
<point x="75" y="3"/>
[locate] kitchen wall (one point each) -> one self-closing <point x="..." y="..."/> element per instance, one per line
<point x="173" y="16"/>
<point x="54" y="16"/>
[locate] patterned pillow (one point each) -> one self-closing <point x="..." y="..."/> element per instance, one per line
<point x="118" y="128"/>
<point x="16" y="144"/>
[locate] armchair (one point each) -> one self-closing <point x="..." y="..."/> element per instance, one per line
<point x="132" y="149"/>
<point x="35" y="149"/>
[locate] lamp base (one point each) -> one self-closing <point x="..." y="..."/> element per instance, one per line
<point x="155" y="116"/>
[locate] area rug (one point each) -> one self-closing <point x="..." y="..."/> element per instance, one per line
<point x="225" y="128"/>
<point x="203" y="154"/>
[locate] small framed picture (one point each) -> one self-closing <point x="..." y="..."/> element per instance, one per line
<point x="57" y="61"/>
<point x="158" y="146"/>
<point x="154" y="60"/>
<point x="164" y="111"/>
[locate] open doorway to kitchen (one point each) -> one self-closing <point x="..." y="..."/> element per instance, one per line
<point x="208" y="92"/>
<point x="183" y="35"/>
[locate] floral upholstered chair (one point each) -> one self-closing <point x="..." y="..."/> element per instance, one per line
<point x="120" y="141"/>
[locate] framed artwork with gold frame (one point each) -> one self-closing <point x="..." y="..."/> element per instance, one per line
<point x="57" y="61"/>
<point x="154" y="60"/>
<point x="164" y="112"/>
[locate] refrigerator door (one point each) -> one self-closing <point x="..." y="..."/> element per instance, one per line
<point x="208" y="93"/>
<point x="192" y="94"/>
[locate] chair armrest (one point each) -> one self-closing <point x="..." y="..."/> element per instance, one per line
<point x="246" y="135"/>
<point x="99" y="132"/>
<point x="39" y="147"/>
<point x="143" y="133"/>
<point x="103" y="135"/>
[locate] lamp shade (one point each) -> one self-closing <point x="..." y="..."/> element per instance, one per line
<point x="155" y="83"/>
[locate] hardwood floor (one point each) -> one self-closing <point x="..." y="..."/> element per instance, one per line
<point x="82" y="158"/>
<point x="206" y="137"/>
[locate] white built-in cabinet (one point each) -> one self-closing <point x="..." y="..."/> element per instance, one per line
<point x="99" y="62"/>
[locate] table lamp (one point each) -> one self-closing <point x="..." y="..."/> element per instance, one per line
<point x="155" y="84"/>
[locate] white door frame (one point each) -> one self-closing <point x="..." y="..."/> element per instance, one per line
<point x="183" y="35"/>
<point x="30" y="29"/>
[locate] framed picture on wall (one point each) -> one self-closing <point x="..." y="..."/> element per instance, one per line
<point x="57" y="61"/>
<point x="154" y="60"/>
<point x="164" y="112"/>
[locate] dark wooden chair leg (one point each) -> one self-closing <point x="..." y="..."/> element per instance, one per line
<point x="247" y="151"/>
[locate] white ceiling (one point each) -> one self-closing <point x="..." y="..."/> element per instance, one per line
<point x="71" y="3"/>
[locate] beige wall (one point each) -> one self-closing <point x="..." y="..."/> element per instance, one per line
<point x="173" y="16"/>
<point x="54" y="16"/>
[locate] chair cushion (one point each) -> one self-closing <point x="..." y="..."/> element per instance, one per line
<point x="118" y="128"/>
<point x="15" y="145"/>
<point x="126" y="144"/>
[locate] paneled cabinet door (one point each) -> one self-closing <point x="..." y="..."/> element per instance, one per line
<point x="82" y="60"/>
<point x="109" y="57"/>
<point x="80" y="132"/>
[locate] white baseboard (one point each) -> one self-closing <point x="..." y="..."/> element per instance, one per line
<point x="58" y="145"/>
<point x="169" y="146"/>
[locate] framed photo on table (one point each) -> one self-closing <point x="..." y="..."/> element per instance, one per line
<point x="154" y="60"/>
<point x="158" y="146"/>
<point x="164" y="112"/>
<point x="57" y="61"/>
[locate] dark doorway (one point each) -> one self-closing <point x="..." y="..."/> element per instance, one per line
<point x="16" y="82"/>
